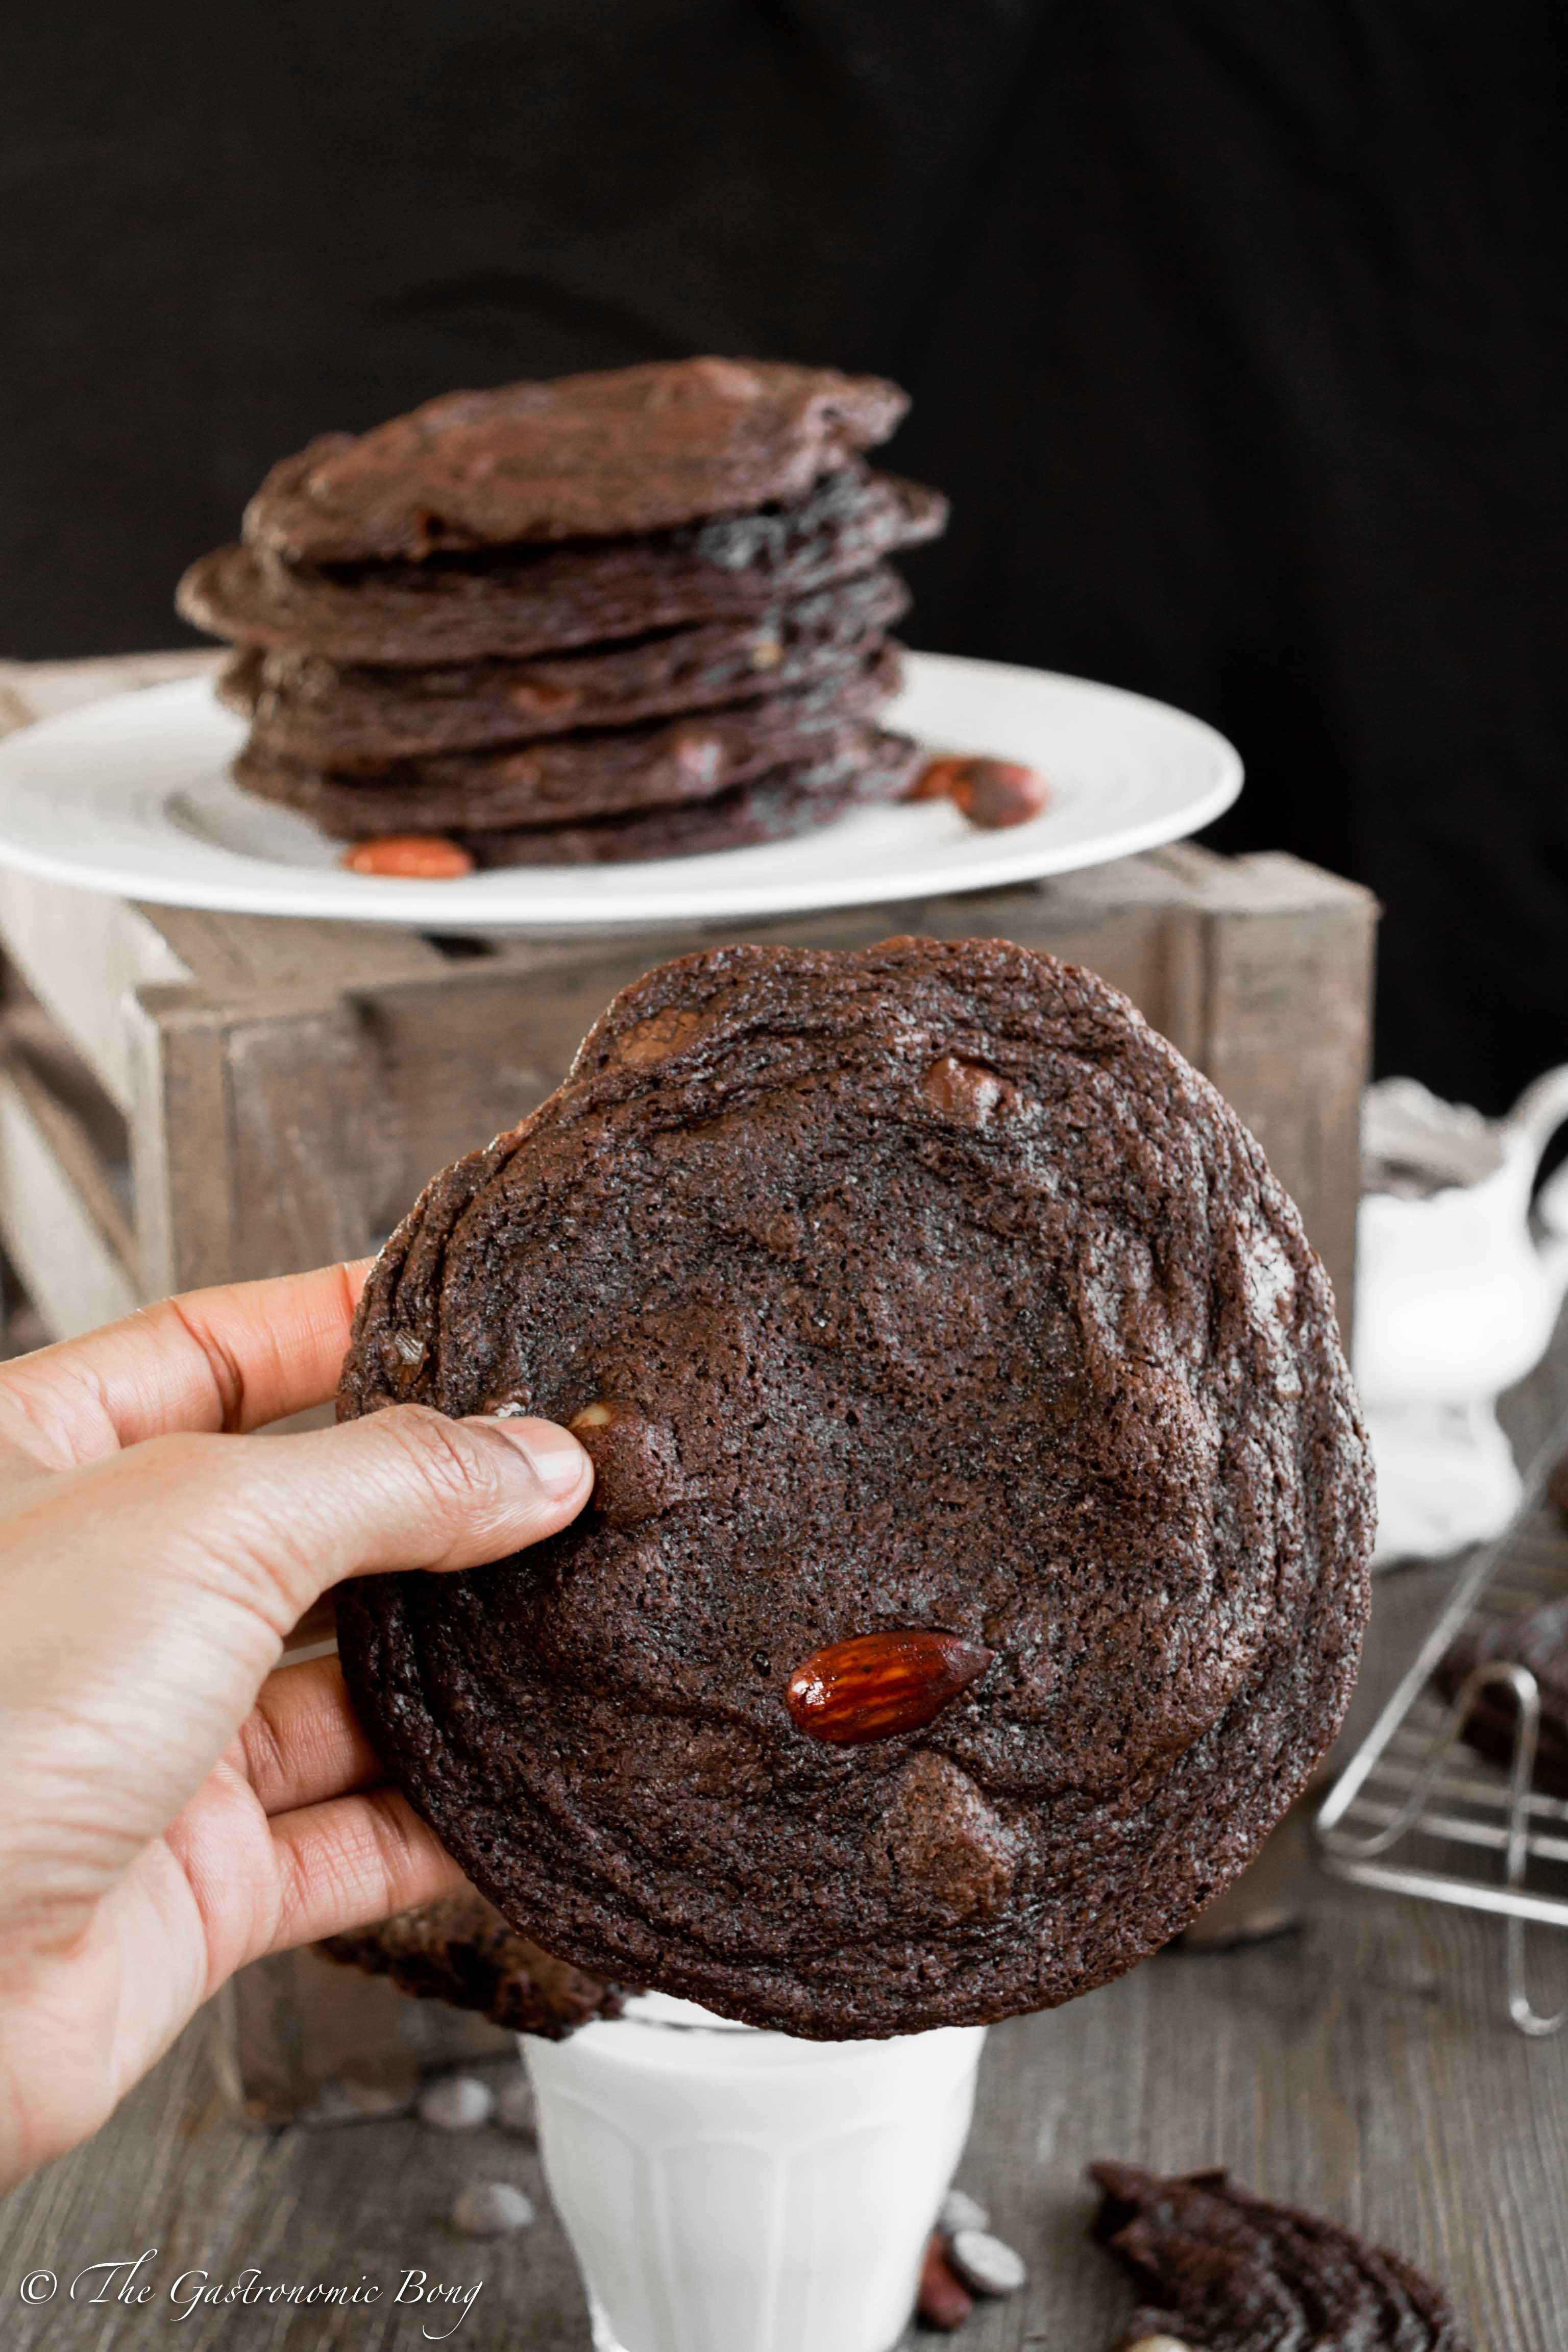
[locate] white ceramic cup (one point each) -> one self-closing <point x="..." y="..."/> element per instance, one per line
<point x="727" y="2190"/>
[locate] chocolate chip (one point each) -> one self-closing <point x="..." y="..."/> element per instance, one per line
<point x="959" y="2210"/>
<point x="455" y="2102"/>
<point x="660" y="1035"/>
<point x="985" y="2264"/>
<point x="944" y="1853"/>
<point x="637" y="1462"/>
<point x="963" y="1090"/>
<point x="404" y="1354"/>
<point x="488" y="2208"/>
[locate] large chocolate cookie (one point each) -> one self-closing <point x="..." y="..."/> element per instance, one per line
<point x="539" y="600"/>
<point x="623" y="449"/>
<point x="1223" y="2271"/>
<point x="661" y="764"/>
<point x="331" y="715"/>
<point x="461" y="1950"/>
<point x="863" y="766"/>
<point x="977" y="1562"/>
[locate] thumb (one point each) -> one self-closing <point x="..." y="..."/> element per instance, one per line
<point x="143" y="1599"/>
<point x="406" y="1487"/>
<point x="274" y="1521"/>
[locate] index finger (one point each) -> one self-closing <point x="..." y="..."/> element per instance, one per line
<point x="231" y="1357"/>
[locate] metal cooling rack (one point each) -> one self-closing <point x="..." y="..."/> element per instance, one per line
<point x="1417" y="1813"/>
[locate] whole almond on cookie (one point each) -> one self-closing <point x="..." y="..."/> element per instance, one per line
<point x="878" y="1684"/>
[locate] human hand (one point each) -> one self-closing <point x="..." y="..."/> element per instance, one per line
<point x="169" y="1806"/>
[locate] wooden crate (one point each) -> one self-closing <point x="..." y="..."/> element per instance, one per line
<point x="188" y="1097"/>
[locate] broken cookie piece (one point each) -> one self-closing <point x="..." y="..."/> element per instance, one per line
<point x="1222" y="2270"/>
<point x="461" y="1950"/>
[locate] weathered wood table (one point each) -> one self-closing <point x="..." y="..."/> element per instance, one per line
<point x="1360" y="2063"/>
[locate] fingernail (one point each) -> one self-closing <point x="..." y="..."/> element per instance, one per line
<point x="553" y="1453"/>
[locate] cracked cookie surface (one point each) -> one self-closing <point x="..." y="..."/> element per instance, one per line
<point x="921" y="1288"/>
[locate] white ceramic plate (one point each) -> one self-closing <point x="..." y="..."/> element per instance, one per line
<point x="132" y="796"/>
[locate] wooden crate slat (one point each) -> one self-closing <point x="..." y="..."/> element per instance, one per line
<point x="63" y="1228"/>
<point x="81" y="955"/>
<point x="236" y="955"/>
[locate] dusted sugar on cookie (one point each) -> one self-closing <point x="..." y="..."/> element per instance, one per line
<point x="921" y="1299"/>
<point x="1223" y="2271"/>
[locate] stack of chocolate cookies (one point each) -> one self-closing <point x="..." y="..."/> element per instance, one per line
<point x="628" y="615"/>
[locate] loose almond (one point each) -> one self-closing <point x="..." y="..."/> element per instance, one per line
<point x="936" y="779"/>
<point x="996" y="792"/>
<point x="991" y="793"/>
<point x="410" y="857"/>
<point x="943" y="2300"/>
<point x="876" y="1685"/>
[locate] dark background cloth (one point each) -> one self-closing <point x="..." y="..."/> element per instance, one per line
<point x="1237" y="334"/>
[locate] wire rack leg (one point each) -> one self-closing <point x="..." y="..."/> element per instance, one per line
<point x="1522" y="1773"/>
<point x="1528" y="2019"/>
